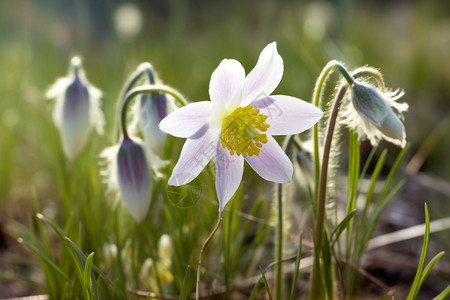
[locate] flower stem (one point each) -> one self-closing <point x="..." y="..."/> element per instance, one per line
<point x="323" y="186"/>
<point x="316" y="101"/>
<point x="279" y="249"/>
<point x="202" y="251"/>
<point x="319" y="204"/>
<point x="145" y="89"/>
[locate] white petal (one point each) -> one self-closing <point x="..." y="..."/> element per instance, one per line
<point x="188" y="119"/>
<point x="264" y="77"/>
<point x="195" y="155"/>
<point x="272" y="163"/>
<point x="58" y="87"/>
<point x="288" y="115"/>
<point x="229" y="170"/>
<point x="97" y="119"/>
<point x="226" y="83"/>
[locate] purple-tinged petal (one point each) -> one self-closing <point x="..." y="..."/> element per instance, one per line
<point x="196" y="153"/>
<point x="75" y="118"/>
<point x="188" y="119"/>
<point x="229" y="170"/>
<point x="134" y="178"/>
<point x="264" y="77"/>
<point x="288" y="115"/>
<point x="153" y="109"/>
<point x="226" y="83"/>
<point x="272" y="163"/>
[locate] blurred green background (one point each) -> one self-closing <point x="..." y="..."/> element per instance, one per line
<point x="409" y="41"/>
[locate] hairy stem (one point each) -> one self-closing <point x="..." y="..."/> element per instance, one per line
<point x="323" y="186"/>
<point x="202" y="251"/>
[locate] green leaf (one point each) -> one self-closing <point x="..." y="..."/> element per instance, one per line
<point x="255" y="290"/>
<point x="87" y="276"/>
<point x="269" y="294"/>
<point x="43" y="257"/>
<point x="186" y="287"/>
<point x="297" y="268"/>
<point x="429" y="266"/>
<point x="341" y="227"/>
<point x="327" y="266"/>
<point x="78" y="254"/>
<point x="417" y="278"/>
<point x="443" y="295"/>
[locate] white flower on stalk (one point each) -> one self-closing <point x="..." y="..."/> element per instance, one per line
<point x="127" y="171"/>
<point x="375" y="114"/>
<point x="238" y="124"/>
<point x="77" y="109"/>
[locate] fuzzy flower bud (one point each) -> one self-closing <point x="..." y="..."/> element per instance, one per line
<point x="153" y="109"/>
<point x="165" y="250"/>
<point x="148" y="112"/>
<point x="134" y="178"/>
<point x="372" y="114"/>
<point x="77" y="109"/>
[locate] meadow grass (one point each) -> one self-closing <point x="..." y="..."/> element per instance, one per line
<point x="62" y="212"/>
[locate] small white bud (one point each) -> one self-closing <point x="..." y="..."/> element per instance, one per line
<point x="375" y="109"/>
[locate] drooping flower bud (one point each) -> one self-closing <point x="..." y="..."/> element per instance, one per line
<point x="134" y="178"/>
<point x="153" y="108"/>
<point x="77" y="109"/>
<point x="148" y="111"/>
<point x="374" y="116"/>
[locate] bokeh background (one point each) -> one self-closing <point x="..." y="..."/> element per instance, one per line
<point x="409" y="41"/>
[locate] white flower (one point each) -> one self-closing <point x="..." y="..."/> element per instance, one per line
<point x="77" y="109"/>
<point x="128" y="172"/>
<point x="375" y="114"/>
<point x="238" y="124"/>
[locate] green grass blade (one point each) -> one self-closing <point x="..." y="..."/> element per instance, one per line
<point x="374" y="218"/>
<point x="353" y="179"/>
<point x="87" y="276"/>
<point x="43" y="257"/>
<point x="297" y="268"/>
<point x="327" y="267"/>
<point x="417" y="278"/>
<point x="255" y="290"/>
<point x="79" y="254"/>
<point x="428" y="268"/>
<point x="443" y="295"/>
<point x="79" y="267"/>
<point x="266" y="284"/>
<point x="186" y="287"/>
<point x="341" y="227"/>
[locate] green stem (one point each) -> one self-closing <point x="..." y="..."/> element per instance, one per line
<point x="202" y="251"/>
<point x="323" y="185"/>
<point x="316" y="101"/>
<point x="279" y="250"/>
<point x="144" y="89"/>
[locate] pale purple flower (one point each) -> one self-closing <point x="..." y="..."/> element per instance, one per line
<point x="238" y="124"/>
<point x="127" y="171"/>
<point x="77" y="109"/>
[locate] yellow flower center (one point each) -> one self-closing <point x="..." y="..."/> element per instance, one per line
<point x="241" y="131"/>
